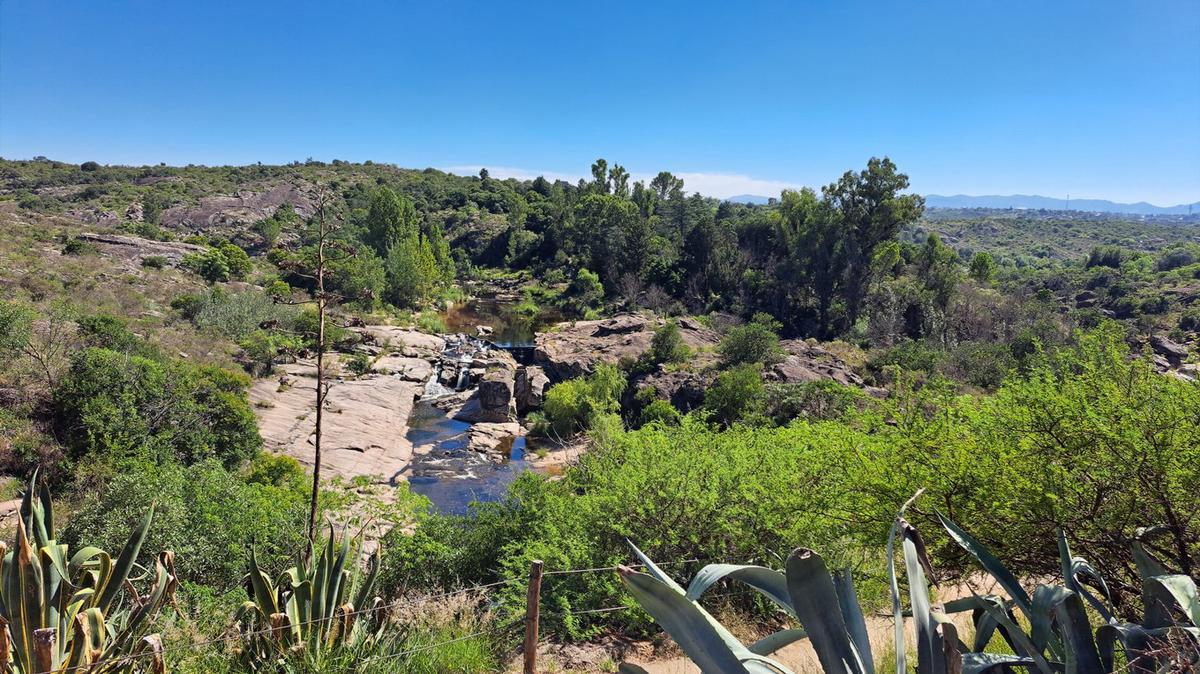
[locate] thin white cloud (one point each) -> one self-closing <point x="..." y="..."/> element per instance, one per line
<point x="719" y="185"/>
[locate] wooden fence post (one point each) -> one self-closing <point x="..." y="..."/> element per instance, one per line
<point x="532" y="602"/>
<point x="43" y="649"/>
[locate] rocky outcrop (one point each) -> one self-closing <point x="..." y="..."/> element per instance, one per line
<point x="807" y="361"/>
<point x="494" y="439"/>
<point x="570" y="350"/>
<point x="684" y="390"/>
<point x="1174" y="352"/>
<point x="529" y="388"/>
<point x="403" y="341"/>
<point x="134" y="247"/>
<point x="410" y="369"/>
<point x="240" y="209"/>
<point x="364" y="421"/>
<point x="493" y="400"/>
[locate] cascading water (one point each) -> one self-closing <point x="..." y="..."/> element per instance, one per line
<point x="444" y="468"/>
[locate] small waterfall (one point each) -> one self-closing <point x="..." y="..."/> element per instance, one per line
<point x="434" y="387"/>
<point x="464" y="373"/>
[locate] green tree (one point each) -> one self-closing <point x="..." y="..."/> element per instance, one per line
<point x="667" y="345"/>
<point x="872" y="211"/>
<point x="756" y="342"/>
<point x="391" y="218"/>
<point x="983" y="267"/>
<point x="736" y="395"/>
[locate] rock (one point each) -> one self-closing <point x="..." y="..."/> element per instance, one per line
<point x="1085" y="299"/>
<point x="483" y="330"/>
<point x="808" y="361"/>
<point x="493" y="438"/>
<point x="573" y="349"/>
<point x="406" y="342"/>
<point x="364" y="425"/>
<point x="685" y="390"/>
<point x="409" y="369"/>
<point x="529" y="388"/>
<point x="133" y="247"/>
<point x="134" y="212"/>
<point x="492" y="401"/>
<point x="242" y="208"/>
<point x="1173" y="351"/>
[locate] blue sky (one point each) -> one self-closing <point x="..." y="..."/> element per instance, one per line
<point x="1096" y="99"/>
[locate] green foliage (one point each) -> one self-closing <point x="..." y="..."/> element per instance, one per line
<point x="584" y="292"/>
<point x="313" y="611"/>
<point x="1107" y="256"/>
<point x="220" y="263"/>
<point x="736" y="395"/>
<point x="75" y="246"/>
<point x="754" y="342"/>
<point x="816" y="400"/>
<point x="667" y="345"/>
<point x="86" y="602"/>
<point x="271" y="227"/>
<point x="113" y="405"/>
<point x="570" y="406"/>
<point x="103" y="331"/>
<point x="264" y="348"/>
<point x="206" y="513"/>
<point x="234" y="315"/>
<point x="359" y="364"/>
<point x="154" y="262"/>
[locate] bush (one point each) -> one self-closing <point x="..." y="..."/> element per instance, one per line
<point x="815" y="401"/>
<point x="1190" y="319"/>
<point x="206" y="514"/>
<point x="234" y="315"/>
<point x="667" y="345"/>
<point x="78" y="247"/>
<point x="571" y="405"/>
<point x="584" y="292"/>
<point x="154" y="262"/>
<point x="218" y="264"/>
<point x="113" y="405"/>
<point x="104" y="331"/>
<point x="736" y="395"/>
<point x="754" y="342"/>
<point x="1107" y="256"/>
<point x="660" y="411"/>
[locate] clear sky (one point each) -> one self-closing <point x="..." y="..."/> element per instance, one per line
<point x="1096" y="98"/>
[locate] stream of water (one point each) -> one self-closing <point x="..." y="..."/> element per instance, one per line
<point x="444" y="469"/>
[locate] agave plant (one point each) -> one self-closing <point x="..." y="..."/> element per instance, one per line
<point x="306" y="613"/>
<point x="68" y="612"/>
<point x="827" y="609"/>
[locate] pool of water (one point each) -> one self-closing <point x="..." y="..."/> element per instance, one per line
<point x="510" y="328"/>
<point x="449" y="474"/>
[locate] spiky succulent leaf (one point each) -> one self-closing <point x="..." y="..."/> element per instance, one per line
<point x="771" y="583"/>
<point x="815" y="600"/>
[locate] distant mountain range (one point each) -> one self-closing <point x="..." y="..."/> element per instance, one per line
<point x="1032" y="201"/>
<point x="1052" y="204"/>
<point x="748" y="199"/>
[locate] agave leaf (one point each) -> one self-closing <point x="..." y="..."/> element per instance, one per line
<point x="260" y="585"/>
<point x="125" y="561"/>
<point x="990" y="563"/>
<point x="930" y="646"/>
<point x="992" y="663"/>
<point x="685" y="622"/>
<point x="1167" y="591"/>
<point x="777" y="640"/>
<point x="1041" y="620"/>
<point x="1081" y="656"/>
<point x="856" y="622"/>
<point x="23" y="598"/>
<point x="1073" y="568"/>
<point x="897" y="609"/>
<point x="653" y="570"/>
<point x="1017" y="638"/>
<point x="815" y="599"/>
<point x="769" y="582"/>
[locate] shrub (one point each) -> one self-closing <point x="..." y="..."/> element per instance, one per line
<point x="75" y="246"/>
<point x="1190" y="319"/>
<point x="234" y="315"/>
<point x="104" y="331"/>
<point x="570" y="406"/>
<point x="584" y="292"/>
<point x="660" y="411"/>
<point x="154" y="262"/>
<point x="816" y="400"/>
<point x="736" y="395"/>
<point x="667" y="345"/>
<point x="754" y="342"/>
<point x="113" y="405"/>
<point x="1107" y="256"/>
<point x="220" y="263"/>
<point x="205" y="513"/>
<point x="264" y="347"/>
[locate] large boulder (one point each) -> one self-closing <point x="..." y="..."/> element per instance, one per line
<point x="1174" y="352"/>
<point x="807" y="361"/>
<point x="570" y="350"/>
<point x="684" y="390"/>
<point x="493" y="401"/>
<point x="529" y="388"/>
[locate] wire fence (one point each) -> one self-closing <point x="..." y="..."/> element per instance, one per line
<point x="531" y="616"/>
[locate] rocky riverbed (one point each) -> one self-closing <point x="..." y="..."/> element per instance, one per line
<point x="444" y="412"/>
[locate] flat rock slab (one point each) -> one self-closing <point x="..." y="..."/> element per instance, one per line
<point x="411" y="369"/>
<point x="364" y="423"/>
<point x="404" y="341"/>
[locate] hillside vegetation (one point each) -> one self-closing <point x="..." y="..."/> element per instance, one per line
<point x="1033" y="373"/>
